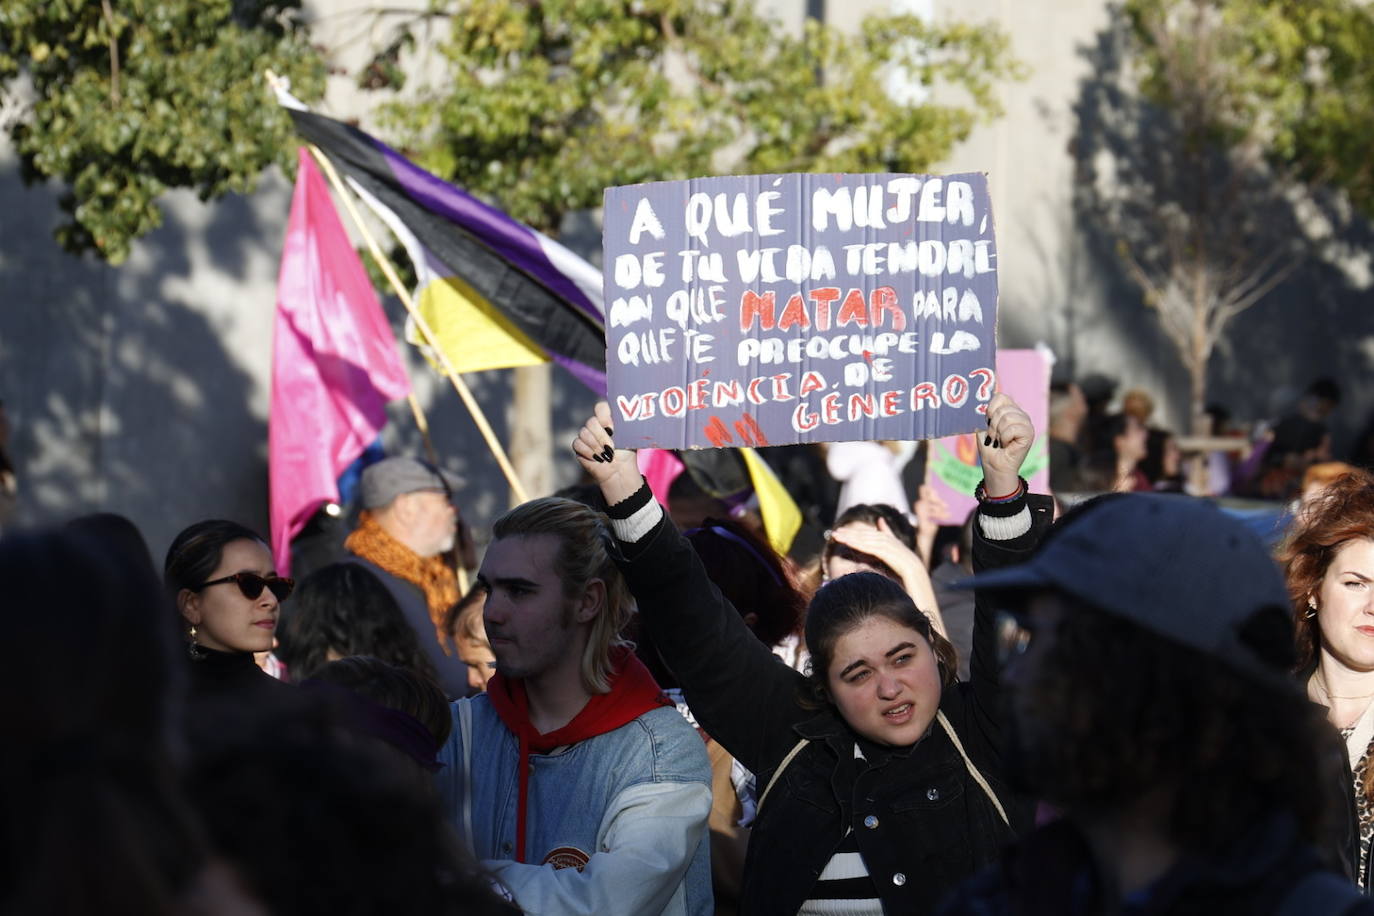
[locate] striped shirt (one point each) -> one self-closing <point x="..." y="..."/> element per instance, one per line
<point x="844" y="888"/>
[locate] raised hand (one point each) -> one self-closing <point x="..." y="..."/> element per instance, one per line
<point x="614" y="470"/>
<point x="880" y="543"/>
<point x="1003" y="448"/>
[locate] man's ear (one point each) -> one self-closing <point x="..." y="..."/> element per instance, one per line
<point x="593" y="600"/>
<point x="402" y="508"/>
<point x="188" y="603"/>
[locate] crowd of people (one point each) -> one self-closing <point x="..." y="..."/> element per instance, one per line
<point x="1134" y="706"/>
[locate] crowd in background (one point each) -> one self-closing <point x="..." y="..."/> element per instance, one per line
<point x="211" y="737"/>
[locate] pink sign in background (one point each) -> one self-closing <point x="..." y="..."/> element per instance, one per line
<point x="952" y="467"/>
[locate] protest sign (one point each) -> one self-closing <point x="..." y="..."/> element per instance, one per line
<point x="952" y="467"/>
<point x="777" y="309"/>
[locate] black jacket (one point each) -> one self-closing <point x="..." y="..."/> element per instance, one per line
<point x="1052" y="873"/>
<point x="921" y="822"/>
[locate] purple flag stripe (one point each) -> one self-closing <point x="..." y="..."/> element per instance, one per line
<point x="507" y="237"/>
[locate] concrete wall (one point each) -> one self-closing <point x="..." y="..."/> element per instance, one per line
<point x="144" y="389"/>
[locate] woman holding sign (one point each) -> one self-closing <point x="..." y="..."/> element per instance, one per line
<point x="879" y="774"/>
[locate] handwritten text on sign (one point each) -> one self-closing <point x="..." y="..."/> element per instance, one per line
<point x="774" y="309"/>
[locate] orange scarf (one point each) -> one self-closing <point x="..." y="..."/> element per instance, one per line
<point x="433" y="576"/>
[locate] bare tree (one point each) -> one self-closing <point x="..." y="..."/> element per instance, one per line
<point x="1173" y="170"/>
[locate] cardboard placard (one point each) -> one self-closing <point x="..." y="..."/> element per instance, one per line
<point x="777" y="309"/>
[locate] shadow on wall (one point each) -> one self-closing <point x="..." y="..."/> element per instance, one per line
<point x="124" y="393"/>
<point x="1133" y="174"/>
<point x="143" y="389"/>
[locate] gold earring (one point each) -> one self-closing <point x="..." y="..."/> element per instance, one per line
<point x="1311" y="608"/>
<point x="194" y="649"/>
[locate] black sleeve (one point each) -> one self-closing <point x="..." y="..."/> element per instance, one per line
<point x="984" y="671"/>
<point x="743" y="695"/>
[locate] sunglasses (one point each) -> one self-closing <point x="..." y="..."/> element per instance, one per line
<point x="252" y="584"/>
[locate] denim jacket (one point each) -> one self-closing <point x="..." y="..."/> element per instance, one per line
<point x="616" y="823"/>
<point x="921" y="822"/>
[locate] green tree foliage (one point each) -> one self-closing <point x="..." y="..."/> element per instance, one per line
<point x="544" y="103"/>
<point x="134" y="97"/>
<point x="1298" y="75"/>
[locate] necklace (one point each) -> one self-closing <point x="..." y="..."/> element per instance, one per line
<point x="1320" y="680"/>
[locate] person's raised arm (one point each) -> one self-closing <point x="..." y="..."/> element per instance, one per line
<point x="1009" y="524"/>
<point x="879" y="542"/>
<point x="743" y="695"/>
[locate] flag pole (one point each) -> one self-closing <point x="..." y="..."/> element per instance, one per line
<point x="431" y="340"/>
<point x="422" y="422"/>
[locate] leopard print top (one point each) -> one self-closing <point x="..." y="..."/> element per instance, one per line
<point x="1363" y="807"/>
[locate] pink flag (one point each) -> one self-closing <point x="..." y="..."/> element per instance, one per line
<point x="334" y="363"/>
<point x="660" y="468"/>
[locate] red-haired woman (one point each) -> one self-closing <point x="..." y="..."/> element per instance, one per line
<point x="1329" y="561"/>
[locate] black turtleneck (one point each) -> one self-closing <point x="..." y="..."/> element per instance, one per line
<point x="229" y="676"/>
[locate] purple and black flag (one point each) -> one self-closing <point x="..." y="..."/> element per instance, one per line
<point x="495" y="292"/>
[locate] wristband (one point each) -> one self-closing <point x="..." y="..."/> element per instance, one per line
<point x="980" y="492"/>
<point x="632" y="503"/>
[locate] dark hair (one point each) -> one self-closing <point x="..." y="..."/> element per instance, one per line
<point x="751" y="576"/>
<point x="869" y="514"/>
<point x="1343" y="512"/>
<point x="845" y="603"/>
<point x="197" y="550"/>
<point x="319" y="821"/>
<point x="93" y="817"/>
<point x="344" y="607"/>
<point x="1152" y="465"/>
<point x="115" y="532"/>
<point x="402" y="689"/>
<point x="1326" y="389"/>
<point x="1169" y="716"/>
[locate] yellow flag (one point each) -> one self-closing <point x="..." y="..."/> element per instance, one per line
<point x="781" y="517"/>
<point x="473" y="335"/>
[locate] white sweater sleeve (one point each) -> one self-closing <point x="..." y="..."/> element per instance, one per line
<point x="648" y="838"/>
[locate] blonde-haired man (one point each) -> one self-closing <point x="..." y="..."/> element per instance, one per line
<point x="572" y="777"/>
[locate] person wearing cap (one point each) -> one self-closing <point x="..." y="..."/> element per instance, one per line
<point x="406" y="529"/>
<point x="879" y="774"/>
<point x="1147" y="650"/>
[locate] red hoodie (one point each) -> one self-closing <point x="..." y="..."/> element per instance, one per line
<point x="633" y="693"/>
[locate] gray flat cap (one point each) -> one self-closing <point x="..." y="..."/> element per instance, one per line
<point x="389" y="478"/>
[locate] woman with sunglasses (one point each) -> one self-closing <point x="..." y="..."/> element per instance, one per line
<point x="880" y="776"/>
<point x="222" y="579"/>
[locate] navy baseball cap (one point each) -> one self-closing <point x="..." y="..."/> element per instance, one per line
<point x="1173" y="565"/>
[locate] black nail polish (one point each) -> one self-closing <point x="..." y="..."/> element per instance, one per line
<point x="608" y="453"/>
<point x="609" y="431"/>
<point x="598" y="459"/>
<point x="987" y="440"/>
<point x="997" y="443"/>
